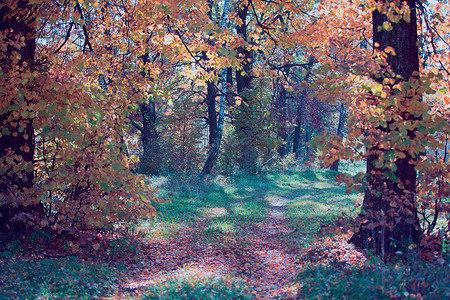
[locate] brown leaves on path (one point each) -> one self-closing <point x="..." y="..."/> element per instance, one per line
<point x="255" y="254"/>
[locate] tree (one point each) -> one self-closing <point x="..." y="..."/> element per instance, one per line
<point x="247" y="156"/>
<point x="339" y="133"/>
<point x="392" y="123"/>
<point x="17" y="135"/>
<point x="63" y="168"/>
<point x="150" y="159"/>
<point x="216" y="126"/>
<point x="390" y="221"/>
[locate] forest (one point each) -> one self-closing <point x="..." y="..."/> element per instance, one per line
<point x="224" y="149"/>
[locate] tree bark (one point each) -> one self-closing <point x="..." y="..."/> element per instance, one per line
<point x="225" y="80"/>
<point x="300" y="120"/>
<point x="212" y="114"/>
<point x="298" y="127"/>
<point x="390" y="222"/>
<point x="248" y="155"/>
<point x="283" y="149"/>
<point x="17" y="133"/>
<point x="340" y="129"/>
<point x="150" y="159"/>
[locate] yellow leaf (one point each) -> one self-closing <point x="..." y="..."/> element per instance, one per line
<point x="389" y="49"/>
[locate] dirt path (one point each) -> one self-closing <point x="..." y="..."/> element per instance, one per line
<point x="276" y="266"/>
<point x="260" y="258"/>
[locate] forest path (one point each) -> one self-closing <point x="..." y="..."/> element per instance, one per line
<point x="276" y="271"/>
<point x="255" y="253"/>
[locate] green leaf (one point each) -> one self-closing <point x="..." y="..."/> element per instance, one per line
<point x="5" y="131"/>
<point x="105" y="186"/>
<point x="387" y="26"/>
<point x="98" y="115"/>
<point x="46" y="129"/>
<point x="116" y="167"/>
<point x="443" y="91"/>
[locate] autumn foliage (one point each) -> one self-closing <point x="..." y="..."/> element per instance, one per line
<point x="78" y="78"/>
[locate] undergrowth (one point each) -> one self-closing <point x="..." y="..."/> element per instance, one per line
<point x="417" y="280"/>
<point x="60" y="278"/>
<point x="195" y="289"/>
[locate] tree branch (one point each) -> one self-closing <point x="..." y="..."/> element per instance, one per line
<point x="87" y="42"/>
<point x="65" y="39"/>
<point x="136" y="125"/>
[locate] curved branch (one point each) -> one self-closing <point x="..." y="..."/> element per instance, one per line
<point x="87" y="41"/>
<point x="65" y="39"/>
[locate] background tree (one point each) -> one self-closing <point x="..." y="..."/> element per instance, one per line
<point x="388" y="116"/>
<point x="216" y="125"/>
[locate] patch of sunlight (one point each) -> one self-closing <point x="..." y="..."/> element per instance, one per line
<point x="308" y="206"/>
<point x="272" y="198"/>
<point x="275" y="200"/>
<point x="241" y="209"/>
<point x="213" y="212"/>
<point x="283" y="184"/>
<point x="323" y="185"/>
<point x="240" y="196"/>
<point x="290" y="180"/>
<point x="230" y="189"/>
<point x="350" y="199"/>
<point x="159" y="230"/>
<point x="156" y="182"/>
<point x="249" y="189"/>
<point x="221" y="181"/>
<point x="222" y="226"/>
<point x="197" y="272"/>
<point x="297" y="184"/>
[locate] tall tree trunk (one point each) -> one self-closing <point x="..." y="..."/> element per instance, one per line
<point x="283" y="149"/>
<point x="302" y="106"/>
<point x="248" y="155"/>
<point x="212" y="114"/>
<point x="340" y="129"/>
<point x="298" y="127"/>
<point x="390" y="222"/>
<point x="17" y="133"/>
<point x="150" y="159"/>
<point x="225" y="78"/>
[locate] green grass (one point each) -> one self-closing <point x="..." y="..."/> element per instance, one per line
<point x="309" y="199"/>
<point x="55" y="279"/>
<point x="196" y="289"/>
<point x="306" y="196"/>
<point x="415" y="280"/>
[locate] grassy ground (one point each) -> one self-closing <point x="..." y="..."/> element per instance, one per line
<point x="228" y="238"/>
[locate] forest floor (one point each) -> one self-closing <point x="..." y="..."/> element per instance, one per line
<point x="276" y="236"/>
<point x="261" y="259"/>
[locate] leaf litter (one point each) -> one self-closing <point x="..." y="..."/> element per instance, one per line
<point x="260" y="258"/>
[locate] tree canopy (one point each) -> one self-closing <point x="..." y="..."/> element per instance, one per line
<point x="97" y="94"/>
